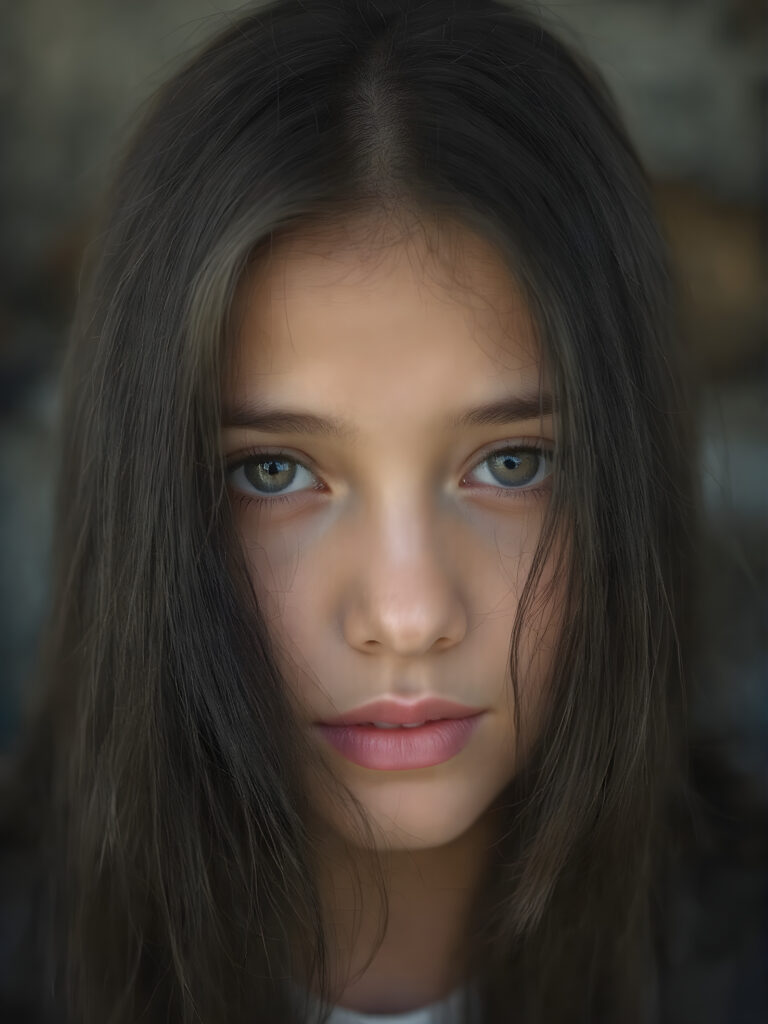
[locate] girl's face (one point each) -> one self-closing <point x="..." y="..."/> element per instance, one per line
<point x="390" y="536"/>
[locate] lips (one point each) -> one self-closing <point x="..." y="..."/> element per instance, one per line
<point x="394" y="712"/>
<point x="401" y="749"/>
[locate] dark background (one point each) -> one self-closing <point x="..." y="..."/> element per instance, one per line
<point x="690" y="76"/>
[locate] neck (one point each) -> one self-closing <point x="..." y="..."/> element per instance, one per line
<point x="430" y="895"/>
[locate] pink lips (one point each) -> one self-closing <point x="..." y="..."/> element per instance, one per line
<point x="401" y="749"/>
<point x="395" y="712"/>
<point x="447" y="729"/>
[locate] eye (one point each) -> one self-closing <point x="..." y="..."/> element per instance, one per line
<point x="266" y="477"/>
<point x="516" y="467"/>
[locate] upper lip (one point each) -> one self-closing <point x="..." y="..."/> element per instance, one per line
<point x="395" y="712"/>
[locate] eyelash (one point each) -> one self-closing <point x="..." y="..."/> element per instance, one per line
<point x="261" y="454"/>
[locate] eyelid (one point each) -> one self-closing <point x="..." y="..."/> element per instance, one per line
<point x="515" y="442"/>
<point x="263" y="450"/>
<point x="527" y="491"/>
<point x="236" y="458"/>
<point x="234" y="461"/>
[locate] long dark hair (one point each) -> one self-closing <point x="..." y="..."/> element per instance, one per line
<point x="178" y="835"/>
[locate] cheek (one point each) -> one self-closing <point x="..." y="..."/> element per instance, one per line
<point x="538" y="638"/>
<point x="535" y="667"/>
<point x="273" y="564"/>
<point x="286" y="581"/>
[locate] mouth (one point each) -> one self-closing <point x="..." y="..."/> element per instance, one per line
<point x="389" y="713"/>
<point x="389" y="747"/>
<point x="405" y="725"/>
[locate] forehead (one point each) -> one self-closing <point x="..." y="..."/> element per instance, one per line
<point x="407" y="323"/>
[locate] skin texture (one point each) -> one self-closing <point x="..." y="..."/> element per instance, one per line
<point x="401" y="576"/>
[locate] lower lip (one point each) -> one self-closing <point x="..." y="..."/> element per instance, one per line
<point x="392" y="750"/>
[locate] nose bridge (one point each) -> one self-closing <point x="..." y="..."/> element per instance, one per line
<point x="406" y="598"/>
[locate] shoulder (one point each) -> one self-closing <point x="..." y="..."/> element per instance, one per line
<point x="714" y="956"/>
<point x="26" y="963"/>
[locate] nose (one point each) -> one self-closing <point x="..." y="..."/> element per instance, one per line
<point x="404" y="596"/>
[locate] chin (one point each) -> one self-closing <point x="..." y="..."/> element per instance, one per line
<point x="416" y="813"/>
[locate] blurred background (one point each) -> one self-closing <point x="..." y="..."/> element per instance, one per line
<point x="691" y="78"/>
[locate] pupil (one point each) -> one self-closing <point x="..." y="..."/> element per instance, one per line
<point x="270" y="475"/>
<point x="517" y="468"/>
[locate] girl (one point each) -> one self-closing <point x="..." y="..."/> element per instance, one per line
<point x="368" y="633"/>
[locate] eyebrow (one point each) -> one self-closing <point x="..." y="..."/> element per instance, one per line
<point x="255" y="414"/>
